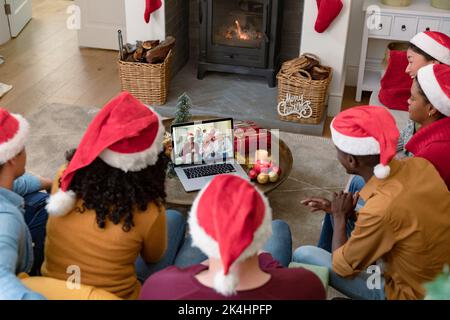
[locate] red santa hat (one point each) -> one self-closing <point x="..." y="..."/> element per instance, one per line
<point x="434" y="79"/>
<point x="436" y="44"/>
<point x="126" y="135"/>
<point x="367" y="130"/>
<point x="13" y="134"/>
<point x="230" y="220"/>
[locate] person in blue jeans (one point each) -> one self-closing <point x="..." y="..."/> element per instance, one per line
<point x="326" y="235"/>
<point x="16" y="246"/>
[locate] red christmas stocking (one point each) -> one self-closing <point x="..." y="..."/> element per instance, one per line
<point x="150" y="7"/>
<point x="328" y="11"/>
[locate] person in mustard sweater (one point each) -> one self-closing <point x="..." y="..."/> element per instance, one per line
<point x="107" y="204"/>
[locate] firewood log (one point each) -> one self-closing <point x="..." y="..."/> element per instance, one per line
<point x="159" y="53"/>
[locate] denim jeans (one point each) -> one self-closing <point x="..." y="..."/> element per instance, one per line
<point x="356" y="287"/>
<point x="279" y="245"/>
<point x="176" y="229"/>
<point x="36" y="217"/>
<point x="326" y="235"/>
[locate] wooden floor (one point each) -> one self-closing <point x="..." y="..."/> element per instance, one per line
<point x="45" y="65"/>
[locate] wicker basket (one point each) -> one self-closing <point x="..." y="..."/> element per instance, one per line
<point x="147" y="82"/>
<point x="311" y="94"/>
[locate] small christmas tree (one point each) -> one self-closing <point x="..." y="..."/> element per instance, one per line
<point x="184" y="104"/>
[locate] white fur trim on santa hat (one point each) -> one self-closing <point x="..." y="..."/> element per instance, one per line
<point x="381" y="171"/>
<point x="210" y="247"/>
<point x="61" y="203"/>
<point x="226" y="284"/>
<point x="432" y="47"/>
<point x="12" y="147"/>
<point x="139" y="160"/>
<point x="433" y="90"/>
<point x="355" y="146"/>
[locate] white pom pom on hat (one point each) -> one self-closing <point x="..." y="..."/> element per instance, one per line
<point x="226" y="284"/>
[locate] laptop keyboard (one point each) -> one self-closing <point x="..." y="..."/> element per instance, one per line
<point x="210" y="170"/>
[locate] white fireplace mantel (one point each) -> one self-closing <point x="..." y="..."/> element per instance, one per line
<point x="330" y="46"/>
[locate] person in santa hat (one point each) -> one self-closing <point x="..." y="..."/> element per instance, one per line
<point x="190" y="152"/>
<point x="428" y="48"/>
<point x="16" y="242"/>
<point x="425" y="48"/>
<point x="404" y="225"/>
<point x="107" y="203"/>
<point x="233" y="229"/>
<point x="430" y="108"/>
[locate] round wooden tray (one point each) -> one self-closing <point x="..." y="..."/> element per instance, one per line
<point x="175" y="191"/>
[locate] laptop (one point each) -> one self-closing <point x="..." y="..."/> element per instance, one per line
<point x="202" y="150"/>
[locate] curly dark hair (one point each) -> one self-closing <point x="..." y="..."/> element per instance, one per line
<point x="115" y="194"/>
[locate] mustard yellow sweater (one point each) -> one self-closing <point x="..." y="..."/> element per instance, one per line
<point x="104" y="257"/>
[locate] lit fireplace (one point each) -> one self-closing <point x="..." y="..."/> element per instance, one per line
<point x="237" y="35"/>
<point x="240" y="36"/>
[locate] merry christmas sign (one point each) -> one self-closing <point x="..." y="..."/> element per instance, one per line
<point x="295" y="105"/>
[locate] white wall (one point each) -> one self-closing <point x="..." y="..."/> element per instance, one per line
<point x="330" y="46"/>
<point x="376" y="49"/>
<point x="137" y="29"/>
<point x="4" y="27"/>
<point x="100" y="20"/>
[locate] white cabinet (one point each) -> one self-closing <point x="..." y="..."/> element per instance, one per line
<point x="397" y="24"/>
<point x="404" y="27"/>
<point x="446" y="26"/>
<point x="383" y="28"/>
<point x="429" y="24"/>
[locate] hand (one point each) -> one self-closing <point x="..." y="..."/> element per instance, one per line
<point x="317" y="204"/>
<point x="343" y="205"/>
<point x="46" y="184"/>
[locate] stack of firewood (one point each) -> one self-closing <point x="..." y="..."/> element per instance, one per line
<point x="309" y="63"/>
<point x="150" y="51"/>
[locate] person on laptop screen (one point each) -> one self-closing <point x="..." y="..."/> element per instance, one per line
<point x="190" y="152"/>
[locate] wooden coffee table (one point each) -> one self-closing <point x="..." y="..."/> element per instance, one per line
<point x="175" y="191"/>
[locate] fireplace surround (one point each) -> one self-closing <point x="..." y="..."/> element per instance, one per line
<point x="240" y="36"/>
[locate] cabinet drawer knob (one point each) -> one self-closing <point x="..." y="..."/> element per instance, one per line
<point x="403" y="28"/>
<point x="380" y="26"/>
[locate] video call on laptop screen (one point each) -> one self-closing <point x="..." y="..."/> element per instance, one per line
<point x="203" y="143"/>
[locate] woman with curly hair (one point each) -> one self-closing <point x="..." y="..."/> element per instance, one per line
<point x="107" y="205"/>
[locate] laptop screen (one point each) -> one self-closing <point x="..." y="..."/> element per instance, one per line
<point x="203" y="142"/>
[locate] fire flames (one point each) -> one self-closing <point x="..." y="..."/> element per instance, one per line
<point x="237" y="32"/>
